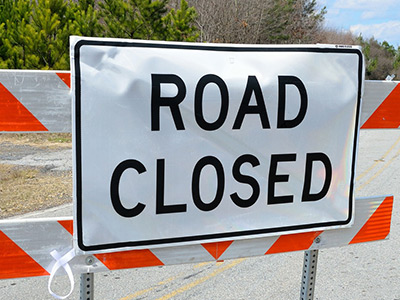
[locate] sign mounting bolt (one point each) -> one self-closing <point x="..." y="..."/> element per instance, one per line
<point x="89" y="260"/>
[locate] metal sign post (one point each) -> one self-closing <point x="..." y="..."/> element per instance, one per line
<point x="309" y="275"/>
<point x="87" y="286"/>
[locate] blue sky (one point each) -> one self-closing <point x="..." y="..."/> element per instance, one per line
<point x="377" y="18"/>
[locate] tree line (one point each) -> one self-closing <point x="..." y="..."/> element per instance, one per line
<point x="35" y="34"/>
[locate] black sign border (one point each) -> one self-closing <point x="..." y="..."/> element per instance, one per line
<point x="206" y="47"/>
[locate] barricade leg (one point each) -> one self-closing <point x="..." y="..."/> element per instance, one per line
<point x="87" y="286"/>
<point x="309" y="274"/>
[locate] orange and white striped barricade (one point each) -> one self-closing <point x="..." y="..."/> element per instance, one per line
<point x="27" y="244"/>
<point x="40" y="101"/>
<point x="35" y="101"/>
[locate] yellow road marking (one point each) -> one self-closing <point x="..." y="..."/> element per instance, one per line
<point x="362" y="175"/>
<point x="379" y="171"/>
<point x="168" y="280"/>
<point x="201" y="265"/>
<point x="202" y="279"/>
<point x="139" y="293"/>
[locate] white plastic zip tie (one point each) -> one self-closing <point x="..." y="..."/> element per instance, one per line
<point x="62" y="262"/>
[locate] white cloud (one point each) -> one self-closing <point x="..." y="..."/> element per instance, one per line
<point x="368" y="5"/>
<point x="389" y="31"/>
<point x="334" y="11"/>
<point x="371" y="14"/>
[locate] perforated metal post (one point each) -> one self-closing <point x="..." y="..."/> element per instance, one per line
<point x="87" y="286"/>
<point x="309" y="274"/>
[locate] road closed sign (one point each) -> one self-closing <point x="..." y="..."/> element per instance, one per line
<point x="184" y="143"/>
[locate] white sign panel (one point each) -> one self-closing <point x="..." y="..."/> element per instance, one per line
<point x="187" y="143"/>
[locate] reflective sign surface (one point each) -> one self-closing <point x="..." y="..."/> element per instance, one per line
<point x="185" y="143"/>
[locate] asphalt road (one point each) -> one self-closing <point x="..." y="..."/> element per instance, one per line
<point x="362" y="271"/>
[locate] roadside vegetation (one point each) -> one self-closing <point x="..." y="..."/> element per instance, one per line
<point x="35" y="34"/>
<point x="29" y="188"/>
<point x="25" y="189"/>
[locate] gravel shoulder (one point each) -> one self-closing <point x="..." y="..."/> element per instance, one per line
<point x="35" y="172"/>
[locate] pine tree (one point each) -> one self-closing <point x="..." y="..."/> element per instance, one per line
<point x="133" y="18"/>
<point x="293" y="22"/>
<point x="14" y="19"/>
<point x="86" y="18"/>
<point x="34" y="34"/>
<point x="180" y="23"/>
<point x="147" y="19"/>
<point x="381" y="59"/>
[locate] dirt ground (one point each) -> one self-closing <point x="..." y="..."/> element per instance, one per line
<point x="35" y="172"/>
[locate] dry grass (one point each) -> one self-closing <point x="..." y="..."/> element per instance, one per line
<point x="40" y="140"/>
<point x="24" y="189"/>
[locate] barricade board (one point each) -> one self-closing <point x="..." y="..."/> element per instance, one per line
<point x="40" y="101"/>
<point x="26" y="244"/>
<point x="37" y="101"/>
<point x="190" y="143"/>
